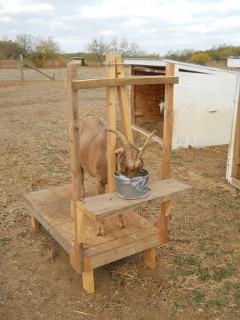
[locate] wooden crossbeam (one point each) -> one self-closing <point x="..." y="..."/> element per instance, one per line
<point x="111" y="82"/>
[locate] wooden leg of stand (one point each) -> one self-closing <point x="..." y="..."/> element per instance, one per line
<point x="88" y="281"/>
<point x="162" y="222"/>
<point x="34" y="222"/>
<point x="150" y="258"/>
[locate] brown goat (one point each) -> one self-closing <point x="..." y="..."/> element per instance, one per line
<point x="93" y="153"/>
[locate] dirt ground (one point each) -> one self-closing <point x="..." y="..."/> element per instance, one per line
<point x="197" y="275"/>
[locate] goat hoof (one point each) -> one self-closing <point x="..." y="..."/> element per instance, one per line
<point x="121" y="224"/>
<point x="101" y="232"/>
<point x="101" y="228"/>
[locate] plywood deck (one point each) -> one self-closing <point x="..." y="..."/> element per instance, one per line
<point x="51" y="207"/>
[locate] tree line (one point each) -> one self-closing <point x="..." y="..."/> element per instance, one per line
<point x="216" y="53"/>
<point x="34" y="49"/>
<point x="38" y="50"/>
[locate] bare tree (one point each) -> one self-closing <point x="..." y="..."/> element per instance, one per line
<point x="98" y="49"/>
<point x="27" y="41"/>
<point x="125" y="48"/>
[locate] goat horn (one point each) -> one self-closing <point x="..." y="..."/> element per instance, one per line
<point x="124" y="141"/>
<point x="122" y="138"/>
<point x="145" y="144"/>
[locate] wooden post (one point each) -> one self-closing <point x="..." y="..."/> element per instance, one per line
<point x="123" y="101"/>
<point x="132" y="100"/>
<point x="149" y="256"/>
<point x="162" y="222"/>
<point x="21" y="68"/>
<point x="34" y="222"/>
<point x="87" y="275"/>
<point x="111" y="121"/>
<point x="76" y="257"/>
<point x="88" y="281"/>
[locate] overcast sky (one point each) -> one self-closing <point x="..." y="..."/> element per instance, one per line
<point x="155" y="26"/>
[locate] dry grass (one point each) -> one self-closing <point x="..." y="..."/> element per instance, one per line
<point x="197" y="274"/>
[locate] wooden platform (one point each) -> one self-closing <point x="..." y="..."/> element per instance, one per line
<point x="51" y="207"/>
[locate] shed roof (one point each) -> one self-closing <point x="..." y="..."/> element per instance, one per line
<point x="162" y="62"/>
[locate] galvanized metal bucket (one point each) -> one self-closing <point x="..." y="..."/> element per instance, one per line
<point x="134" y="188"/>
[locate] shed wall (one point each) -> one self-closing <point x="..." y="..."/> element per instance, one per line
<point x="146" y="100"/>
<point x="203" y="108"/>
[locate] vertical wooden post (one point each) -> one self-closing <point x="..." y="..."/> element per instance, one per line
<point x="88" y="281"/>
<point x="87" y="275"/>
<point x="21" y="68"/>
<point x="111" y="121"/>
<point x="132" y="99"/>
<point x="76" y="256"/>
<point x="123" y="102"/>
<point x="162" y="222"/>
<point x="149" y="256"/>
<point x="34" y="222"/>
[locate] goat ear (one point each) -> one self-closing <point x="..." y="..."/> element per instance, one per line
<point x="119" y="151"/>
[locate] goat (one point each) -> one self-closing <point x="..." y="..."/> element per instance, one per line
<point x="93" y="155"/>
<point x="161" y="106"/>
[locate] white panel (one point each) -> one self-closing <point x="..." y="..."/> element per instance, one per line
<point x="203" y="108"/>
<point x="233" y="62"/>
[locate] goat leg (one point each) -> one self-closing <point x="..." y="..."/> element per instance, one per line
<point x="101" y="224"/>
<point x="101" y="228"/>
<point x="83" y="188"/>
<point x="121" y="222"/>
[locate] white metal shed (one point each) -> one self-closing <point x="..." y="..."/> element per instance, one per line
<point x="203" y="102"/>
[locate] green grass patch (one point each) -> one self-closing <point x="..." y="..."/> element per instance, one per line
<point x="177" y="163"/>
<point x="176" y="156"/>
<point x="190" y="264"/>
<point x="5" y="240"/>
<point x="227" y="295"/>
<point x="5" y="243"/>
<point x="222" y="198"/>
<point x="180" y="302"/>
<point x="199" y="297"/>
<point x="207" y="175"/>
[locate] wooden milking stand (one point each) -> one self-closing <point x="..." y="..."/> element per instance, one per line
<point x="75" y="229"/>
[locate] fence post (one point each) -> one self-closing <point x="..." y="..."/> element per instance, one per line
<point x="21" y="68"/>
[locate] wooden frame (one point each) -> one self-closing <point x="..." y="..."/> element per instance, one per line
<point x="71" y="219"/>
